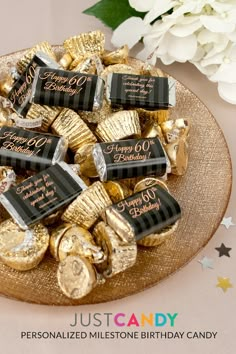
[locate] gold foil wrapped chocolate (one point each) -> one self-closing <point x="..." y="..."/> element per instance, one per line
<point x="150" y="117"/>
<point x="71" y="126"/>
<point x="97" y="116"/>
<point x="149" y="182"/>
<point x="177" y="152"/>
<point x="153" y="130"/>
<point x="86" y="66"/>
<point x="88" y="206"/>
<point x="157" y="239"/>
<point x="76" y="277"/>
<point x="79" y="241"/>
<point x="44" y="47"/>
<point x="150" y="70"/>
<point x="175" y="129"/>
<point x="6" y="84"/>
<point x="84" y="158"/>
<point x="85" y="45"/>
<point x="119" y="125"/>
<point x="176" y="133"/>
<point x="22" y="249"/>
<point x="48" y="114"/>
<point x="7" y="178"/>
<point x="120" y="254"/>
<point x="117" y="190"/>
<point x="119" y="56"/>
<point x="5" y="118"/>
<point x="119" y="68"/>
<point x="55" y="239"/>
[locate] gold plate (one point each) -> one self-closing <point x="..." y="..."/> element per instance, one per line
<point x="203" y="194"/>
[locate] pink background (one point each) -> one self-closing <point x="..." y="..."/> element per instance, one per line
<point x="192" y="291"/>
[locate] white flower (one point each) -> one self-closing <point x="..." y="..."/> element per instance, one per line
<point x="202" y="32"/>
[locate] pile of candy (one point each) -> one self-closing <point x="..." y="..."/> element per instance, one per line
<point x="95" y="169"/>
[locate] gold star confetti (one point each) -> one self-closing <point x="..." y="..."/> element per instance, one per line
<point x="227" y="222"/>
<point x="224" y="284"/>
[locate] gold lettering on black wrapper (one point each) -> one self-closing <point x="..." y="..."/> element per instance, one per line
<point x="130" y="158"/>
<point x="29" y="150"/>
<point x="42" y="194"/>
<point x="20" y="93"/>
<point x="53" y="87"/>
<point x="140" y="91"/>
<point x="145" y="212"/>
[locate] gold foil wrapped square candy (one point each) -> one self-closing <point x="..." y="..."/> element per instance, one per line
<point x="86" y="208"/>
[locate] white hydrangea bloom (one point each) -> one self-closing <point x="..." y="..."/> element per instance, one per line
<point x="202" y="32"/>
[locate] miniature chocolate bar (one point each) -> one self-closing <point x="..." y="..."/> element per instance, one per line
<point x="140" y="91"/>
<point x="42" y="194"/>
<point x="130" y="158"/>
<point x="143" y="213"/>
<point x="20" y="93"/>
<point x="30" y="150"/>
<point x="54" y="87"/>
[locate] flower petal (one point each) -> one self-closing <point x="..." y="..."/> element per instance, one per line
<point x="142" y="6"/>
<point x="123" y="35"/>
<point x="160" y="8"/>
<point x="182" y="29"/>
<point x="215" y="24"/>
<point x="227" y="92"/>
<point x="225" y="73"/>
<point x="181" y="49"/>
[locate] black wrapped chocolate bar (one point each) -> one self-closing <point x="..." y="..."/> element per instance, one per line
<point x="29" y="150"/>
<point x="140" y="91"/>
<point x="68" y="89"/>
<point x="130" y="158"/>
<point x="42" y="194"/>
<point x="20" y="93"/>
<point x="144" y="213"/>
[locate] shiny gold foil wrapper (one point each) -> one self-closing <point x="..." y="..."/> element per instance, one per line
<point x="149" y="182"/>
<point x="175" y="129"/>
<point x="177" y="152"/>
<point x="85" y="45"/>
<point x="79" y="241"/>
<point x="76" y="277"/>
<point x="28" y="56"/>
<point x="22" y="249"/>
<point x="117" y="190"/>
<point x="66" y="61"/>
<point x="7" y="178"/>
<point x="97" y="116"/>
<point x="48" y="114"/>
<point x="157" y="239"/>
<point x="150" y="70"/>
<point x="86" y="66"/>
<point x="119" y="68"/>
<point x="119" y="56"/>
<point x="153" y="130"/>
<point x="55" y="238"/>
<point x="149" y="117"/>
<point x="84" y="158"/>
<point x="119" y="125"/>
<point x="5" y="120"/>
<point x="6" y="84"/>
<point x="121" y="255"/>
<point x="71" y="126"/>
<point x="88" y="206"/>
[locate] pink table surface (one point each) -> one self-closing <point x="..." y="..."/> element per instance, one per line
<point x="191" y="292"/>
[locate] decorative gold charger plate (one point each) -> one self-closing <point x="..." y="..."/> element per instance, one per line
<point x="203" y="194"/>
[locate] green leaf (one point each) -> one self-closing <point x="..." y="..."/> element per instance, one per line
<point x="112" y="13"/>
